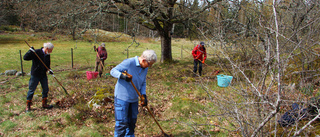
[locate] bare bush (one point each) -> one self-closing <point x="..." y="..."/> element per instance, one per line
<point x="270" y="48"/>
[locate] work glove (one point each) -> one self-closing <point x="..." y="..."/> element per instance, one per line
<point x="127" y="77"/>
<point x="101" y="59"/>
<point x="50" y="72"/>
<point x="144" y="101"/>
<point x="202" y="61"/>
<point x="31" y="50"/>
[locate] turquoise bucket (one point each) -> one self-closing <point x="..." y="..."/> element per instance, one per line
<point x="224" y="80"/>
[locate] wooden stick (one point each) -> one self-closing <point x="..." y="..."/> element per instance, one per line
<point x="141" y="97"/>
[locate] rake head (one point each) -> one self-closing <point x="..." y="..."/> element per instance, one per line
<point x="166" y="135"/>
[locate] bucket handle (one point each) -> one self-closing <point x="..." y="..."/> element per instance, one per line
<point x="229" y="79"/>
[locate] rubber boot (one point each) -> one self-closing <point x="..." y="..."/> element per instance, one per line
<point x="28" y="108"/>
<point x="45" y="105"/>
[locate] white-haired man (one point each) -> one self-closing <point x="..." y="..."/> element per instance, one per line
<point x="125" y="97"/>
<point x="39" y="73"/>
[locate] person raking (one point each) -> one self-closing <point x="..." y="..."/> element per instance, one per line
<point x="102" y="55"/>
<point x="39" y="73"/>
<point x="199" y="54"/>
<point x="125" y="97"/>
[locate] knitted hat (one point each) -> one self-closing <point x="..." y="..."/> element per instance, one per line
<point x="103" y="45"/>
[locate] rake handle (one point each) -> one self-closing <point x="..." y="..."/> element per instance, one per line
<point x="146" y="106"/>
<point x="203" y="63"/>
<point x="100" y="60"/>
<point x="65" y="91"/>
<point x="198" y="59"/>
<point x="38" y="56"/>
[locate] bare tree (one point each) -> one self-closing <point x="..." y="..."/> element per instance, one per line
<point x="8" y="16"/>
<point x="79" y="15"/>
<point x="154" y="15"/>
<point x="270" y="47"/>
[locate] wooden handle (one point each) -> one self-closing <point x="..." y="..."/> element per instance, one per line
<point x="125" y="73"/>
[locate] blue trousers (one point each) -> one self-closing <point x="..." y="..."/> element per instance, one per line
<point x="126" y="117"/>
<point x="33" y="83"/>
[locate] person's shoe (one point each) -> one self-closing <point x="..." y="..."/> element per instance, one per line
<point x="45" y="105"/>
<point x="28" y="108"/>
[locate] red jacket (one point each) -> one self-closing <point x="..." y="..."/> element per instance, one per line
<point x="199" y="53"/>
<point x="102" y="53"/>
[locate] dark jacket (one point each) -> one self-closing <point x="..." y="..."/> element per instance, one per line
<point x="37" y="68"/>
<point x="102" y="53"/>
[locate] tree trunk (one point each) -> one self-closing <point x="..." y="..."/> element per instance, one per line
<point x="164" y="31"/>
<point x="166" y="52"/>
<point x="73" y="33"/>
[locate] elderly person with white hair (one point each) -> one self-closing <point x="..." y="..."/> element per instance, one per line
<point x="38" y="73"/>
<point x="125" y="96"/>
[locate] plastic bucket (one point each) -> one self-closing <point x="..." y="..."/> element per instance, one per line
<point x="92" y="74"/>
<point x="224" y="80"/>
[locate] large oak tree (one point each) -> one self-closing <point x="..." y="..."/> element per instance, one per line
<point x="158" y="15"/>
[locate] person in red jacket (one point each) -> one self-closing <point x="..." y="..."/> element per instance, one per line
<point x="199" y="55"/>
<point x="101" y="56"/>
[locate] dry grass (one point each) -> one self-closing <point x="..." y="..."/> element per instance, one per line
<point x="178" y="100"/>
<point x="71" y="115"/>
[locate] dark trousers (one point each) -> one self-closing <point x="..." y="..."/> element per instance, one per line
<point x="99" y="66"/>
<point x="195" y="66"/>
<point x="33" y="83"/>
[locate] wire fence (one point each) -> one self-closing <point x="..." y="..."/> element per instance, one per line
<point x="82" y="56"/>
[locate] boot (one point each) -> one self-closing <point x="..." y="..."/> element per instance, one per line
<point x="28" y="108"/>
<point x="45" y="105"/>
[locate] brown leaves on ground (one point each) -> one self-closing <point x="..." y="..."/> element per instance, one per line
<point x="66" y="102"/>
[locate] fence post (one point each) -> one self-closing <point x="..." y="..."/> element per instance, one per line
<point x="21" y="63"/>
<point x="181" y="51"/>
<point x="72" y="58"/>
<point x="127" y="52"/>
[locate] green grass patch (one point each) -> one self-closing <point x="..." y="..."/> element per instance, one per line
<point x="180" y="102"/>
<point x="8" y="125"/>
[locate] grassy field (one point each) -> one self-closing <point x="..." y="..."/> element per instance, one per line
<point x="175" y="97"/>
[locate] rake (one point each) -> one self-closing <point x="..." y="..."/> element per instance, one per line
<point x="141" y="97"/>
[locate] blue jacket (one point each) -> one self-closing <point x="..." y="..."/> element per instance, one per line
<point x="37" y="68"/>
<point x="123" y="89"/>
